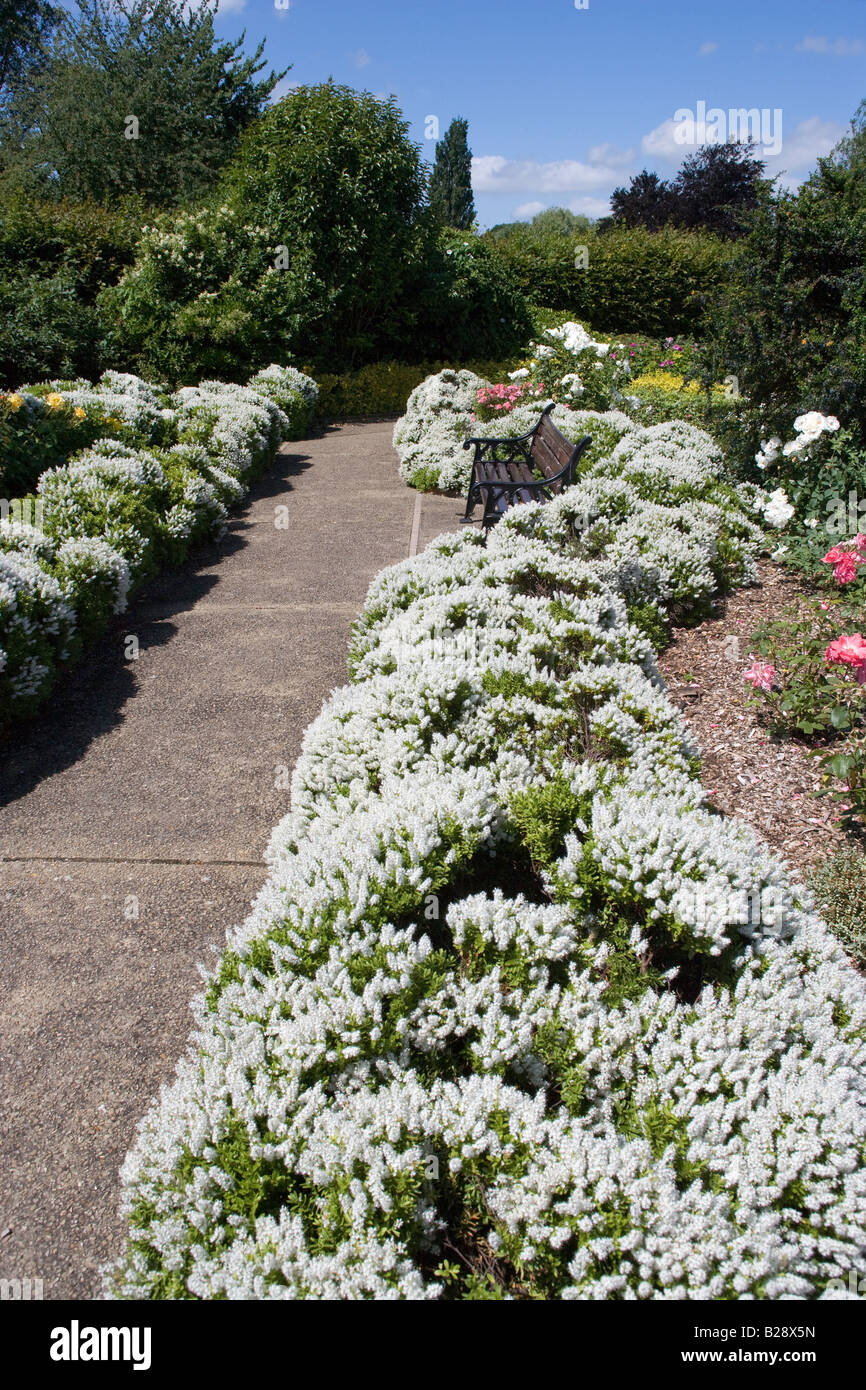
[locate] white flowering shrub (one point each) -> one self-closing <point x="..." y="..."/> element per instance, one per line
<point x="134" y="409"/>
<point x="516" y="1015"/>
<point x="127" y="506"/>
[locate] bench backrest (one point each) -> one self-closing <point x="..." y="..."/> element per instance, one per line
<point x="550" y="450"/>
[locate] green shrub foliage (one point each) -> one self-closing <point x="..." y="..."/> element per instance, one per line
<point x="790" y="321"/>
<point x="634" y="280"/>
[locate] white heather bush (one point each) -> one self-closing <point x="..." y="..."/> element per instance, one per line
<point x="511" y="984"/>
<point x="125" y="507"/>
<point x="140" y="411"/>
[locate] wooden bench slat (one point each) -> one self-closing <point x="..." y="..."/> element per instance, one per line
<point x="548" y="434"/>
<point x="545" y="459"/>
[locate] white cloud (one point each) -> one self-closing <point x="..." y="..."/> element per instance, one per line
<point x="662" y="141"/>
<point x="493" y="173"/>
<point x="527" y="210"/>
<point x="707" y="48"/>
<point x="797" y="151"/>
<point x="801" y="150"/>
<point x="839" y="48"/>
<point x="361" y="59"/>
<point x="590" y="207"/>
<point x="610" y="155"/>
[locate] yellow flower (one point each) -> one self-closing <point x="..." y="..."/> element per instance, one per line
<point x="113" y="420"/>
<point x="55" y="401"/>
<point x="15" y="401"/>
<point x="79" y="413"/>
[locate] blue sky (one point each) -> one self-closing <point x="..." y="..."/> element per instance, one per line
<point x="563" y="103"/>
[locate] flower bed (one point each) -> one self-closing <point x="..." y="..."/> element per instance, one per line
<point x="516" y="1015"/>
<point x="131" y="503"/>
<point x="592" y="382"/>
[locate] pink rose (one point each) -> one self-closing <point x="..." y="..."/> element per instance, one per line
<point x="849" y="651"/>
<point x="760" y="674"/>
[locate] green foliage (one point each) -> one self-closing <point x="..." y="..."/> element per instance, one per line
<point x="790" y="320"/>
<point x="154" y="62"/>
<point x="25" y="30"/>
<point x="451" y="200"/>
<point x="383" y="388"/>
<point x="37" y="436"/>
<point x="817" y="699"/>
<point x="650" y="619"/>
<point x="809" y="691"/>
<point x="839" y="885"/>
<point x="544" y="816"/>
<point x="306" y="248"/>
<point x="55" y="256"/>
<point x="558" y="221"/>
<point x="469" y="304"/>
<point x="635" y="280"/>
<point x="45" y="330"/>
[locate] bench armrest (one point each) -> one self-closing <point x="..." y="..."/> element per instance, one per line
<point x="519" y="441"/>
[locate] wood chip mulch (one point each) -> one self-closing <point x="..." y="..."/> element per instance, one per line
<point x="769" y="782"/>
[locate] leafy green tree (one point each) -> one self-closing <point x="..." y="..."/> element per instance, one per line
<point x="25" y="30"/>
<point x="469" y="305"/>
<point x="560" y="222"/>
<point x="451" y="197"/>
<point x="137" y="97"/>
<point x="789" y="321"/>
<point x="306" y="248"/>
<point x="55" y="258"/>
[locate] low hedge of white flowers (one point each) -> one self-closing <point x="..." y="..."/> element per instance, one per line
<point x="516" y="1015"/>
<point x="125" y="507"/>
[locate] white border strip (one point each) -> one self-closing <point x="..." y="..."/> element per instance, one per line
<point x="416" y="527"/>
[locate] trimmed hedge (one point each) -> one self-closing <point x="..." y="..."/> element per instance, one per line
<point x="637" y="281"/>
<point x="383" y="388"/>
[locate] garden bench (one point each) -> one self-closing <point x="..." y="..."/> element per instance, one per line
<point x="534" y="467"/>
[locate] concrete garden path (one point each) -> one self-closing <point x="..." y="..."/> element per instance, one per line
<point x="135" y="811"/>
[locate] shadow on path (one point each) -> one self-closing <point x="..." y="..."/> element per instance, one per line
<point x="88" y="699"/>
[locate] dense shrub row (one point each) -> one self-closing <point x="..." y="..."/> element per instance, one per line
<point x="131" y="503"/>
<point x="635" y="280"/>
<point x="515" y="1014"/>
<point x="55" y="257"/>
<point x="383" y="388"/>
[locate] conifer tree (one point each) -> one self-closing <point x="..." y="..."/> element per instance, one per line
<point x="451" y="180"/>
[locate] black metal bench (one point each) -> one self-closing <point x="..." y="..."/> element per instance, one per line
<point x="532" y="468"/>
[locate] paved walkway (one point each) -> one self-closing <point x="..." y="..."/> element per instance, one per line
<point x="148" y="787"/>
